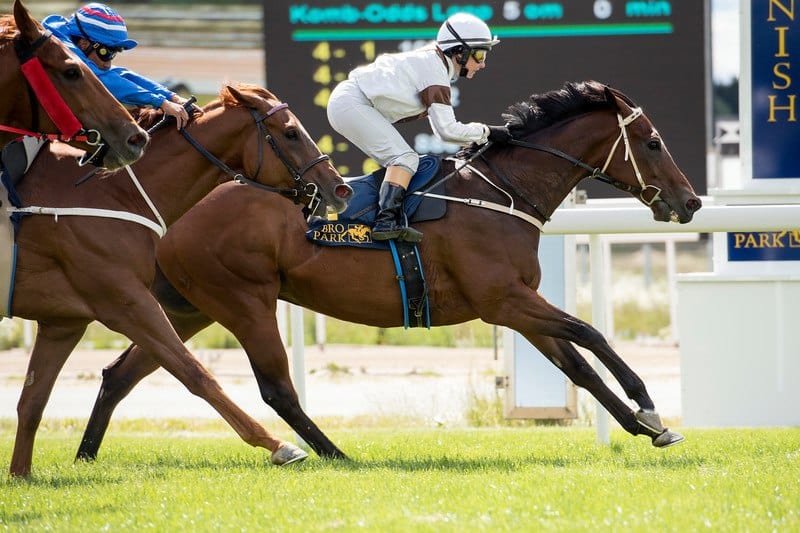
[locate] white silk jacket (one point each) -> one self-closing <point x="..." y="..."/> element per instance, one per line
<point x="411" y="85"/>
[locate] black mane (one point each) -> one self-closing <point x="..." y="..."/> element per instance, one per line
<point x="544" y="110"/>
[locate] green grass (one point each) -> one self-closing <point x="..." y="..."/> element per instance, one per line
<point x="520" y="479"/>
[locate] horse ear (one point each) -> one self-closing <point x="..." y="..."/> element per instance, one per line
<point x="234" y="92"/>
<point x="27" y="26"/>
<point x="245" y="99"/>
<point x="610" y="97"/>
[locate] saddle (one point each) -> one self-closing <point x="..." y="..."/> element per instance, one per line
<point x="353" y="226"/>
<point x="17" y="156"/>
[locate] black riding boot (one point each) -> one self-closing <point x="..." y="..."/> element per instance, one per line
<point x="390" y="205"/>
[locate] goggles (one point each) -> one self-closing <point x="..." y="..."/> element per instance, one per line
<point x="105" y="53"/>
<point x="479" y="54"/>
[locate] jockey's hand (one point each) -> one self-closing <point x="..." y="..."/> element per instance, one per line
<point x="499" y="134"/>
<point x="176" y="110"/>
<point x="194" y="109"/>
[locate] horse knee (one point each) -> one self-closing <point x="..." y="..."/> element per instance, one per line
<point x="29" y="414"/>
<point x="588" y="336"/>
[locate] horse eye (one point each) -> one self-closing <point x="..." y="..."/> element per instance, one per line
<point x="654" y="144"/>
<point x="72" y="73"/>
<point x="292" y="134"/>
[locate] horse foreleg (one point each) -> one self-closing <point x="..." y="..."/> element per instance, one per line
<point x="119" y="379"/>
<point x="536" y="318"/>
<point x="562" y="354"/>
<point x="268" y="358"/>
<point x="588" y="337"/>
<point x="54" y="344"/>
<point x="143" y="322"/>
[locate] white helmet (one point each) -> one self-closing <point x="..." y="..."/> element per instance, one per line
<point x="467" y="30"/>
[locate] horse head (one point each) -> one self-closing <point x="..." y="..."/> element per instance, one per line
<point x="292" y="153"/>
<point x="61" y="90"/>
<point x="639" y="158"/>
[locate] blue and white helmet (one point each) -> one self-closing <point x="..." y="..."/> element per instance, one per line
<point x="100" y="24"/>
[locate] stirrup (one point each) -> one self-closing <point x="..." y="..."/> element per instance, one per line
<point x="387" y="234"/>
<point x="409" y="234"/>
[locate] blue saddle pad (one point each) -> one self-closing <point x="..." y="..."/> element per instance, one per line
<point x="352" y="227"/>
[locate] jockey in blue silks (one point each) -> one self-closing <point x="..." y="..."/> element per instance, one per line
<point x="96" y="34"/>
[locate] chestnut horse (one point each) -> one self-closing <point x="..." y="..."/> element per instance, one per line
<point x="72" y="270"/>
<point x="238" y="251"/>
<point x="45" y="88"/>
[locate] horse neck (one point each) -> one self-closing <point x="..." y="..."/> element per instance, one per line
<point x="176" y="176"/>
<point x="548" y="179"/>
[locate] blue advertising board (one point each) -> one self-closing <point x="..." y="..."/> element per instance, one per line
<point x="776" y="132"/>
<point x="764" y="246"/>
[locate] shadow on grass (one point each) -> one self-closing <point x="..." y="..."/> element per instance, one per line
<point x="446" y="464"/>
<point x="28" y="519"/>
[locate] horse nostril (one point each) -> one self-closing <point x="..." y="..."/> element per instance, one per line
<point x="693" y="204"/>
<point x="343" y="191"/>
<point x="138" y="140"/>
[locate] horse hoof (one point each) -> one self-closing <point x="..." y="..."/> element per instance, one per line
<point x="668" y="438"/>
<point x="288" y="454"/>
<point x="650" y="420"/>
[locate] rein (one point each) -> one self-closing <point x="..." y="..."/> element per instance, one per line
<point x="44" y="93"/>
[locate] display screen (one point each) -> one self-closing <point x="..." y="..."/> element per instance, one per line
<point x="651" y="50"/>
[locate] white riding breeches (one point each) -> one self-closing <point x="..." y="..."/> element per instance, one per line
<point x="352" y="114"/>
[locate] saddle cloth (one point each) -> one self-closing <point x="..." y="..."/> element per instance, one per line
<point x="15" y="159"/>
<point x="8" y="250"/>
<point x="352" y="227"/>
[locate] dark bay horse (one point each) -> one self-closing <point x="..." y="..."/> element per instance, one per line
<point x="72" y="270"/>
<point x="39" y="77"/>
<point x="238" y="251"/>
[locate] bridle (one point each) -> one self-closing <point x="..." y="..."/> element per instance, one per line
<point x="599" y="173"/>
<point x="302" y="189"/>
<point x="42" y="92"/>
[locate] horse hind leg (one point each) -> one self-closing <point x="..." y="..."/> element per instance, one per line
<point x="53" y="346"/>
<point x="281" y="396"/>
<point x="268" y="359"/>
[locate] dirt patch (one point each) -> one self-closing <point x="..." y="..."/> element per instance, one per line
<point x="424" y="382"/>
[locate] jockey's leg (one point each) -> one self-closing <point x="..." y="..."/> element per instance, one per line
<point x="390" y="221"/>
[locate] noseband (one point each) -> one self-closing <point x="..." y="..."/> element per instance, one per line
<point x="301" y="188"/>
<point x="41" y="91"/>
<point x="310" y="190"/>
<point x="599" y="173"/>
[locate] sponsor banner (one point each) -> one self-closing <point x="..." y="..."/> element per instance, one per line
<point x="764" y="246"/>
<point x="775" y="45"/>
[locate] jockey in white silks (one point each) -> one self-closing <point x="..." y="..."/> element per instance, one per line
<point x="408" y="86"/>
